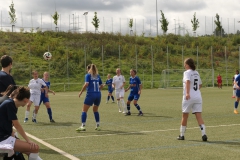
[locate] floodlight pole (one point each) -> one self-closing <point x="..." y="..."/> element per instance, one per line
<point x="85" y="14"/>
<point x="156" y="18"/>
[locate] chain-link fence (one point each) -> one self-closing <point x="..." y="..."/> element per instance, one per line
<point x="67" y="68"/>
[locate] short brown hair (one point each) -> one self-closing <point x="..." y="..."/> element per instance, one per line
<point x="6" y="61"/>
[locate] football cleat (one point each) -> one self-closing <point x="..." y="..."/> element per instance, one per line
<point x="235" y="111"/>
<point x="34" y="120"/>
<point x="180" y="137"/>
<point x="25" y="120"/>
<point x="204" y="137"/>
<point x="140" y="114"/>
<point x="81" y="129"/>
<point x="128" y="113"/>
<point x="98" y="128"/>
<point x="52" y="121"/>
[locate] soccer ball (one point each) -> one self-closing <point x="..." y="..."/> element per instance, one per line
<point x="47" y="56"/>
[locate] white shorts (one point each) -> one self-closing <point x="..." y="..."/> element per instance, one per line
<point x="119" y="93"/>
<point x="7" y="146"/>
<point x="35" y="98"/>
<point x="191" y="104"/>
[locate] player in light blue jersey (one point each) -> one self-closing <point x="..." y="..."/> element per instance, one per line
<point x="93" y="85"/>
<point x="136" y="87"/>
<point x="110" y="89"/>
<point x="45" y="99"/>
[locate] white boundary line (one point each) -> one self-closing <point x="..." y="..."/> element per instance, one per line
<point x="52" y="147"/>
<point x="139" y="132"/>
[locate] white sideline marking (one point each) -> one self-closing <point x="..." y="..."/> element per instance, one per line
<point x="139" y="132"/>
<point x="52" y="147"/>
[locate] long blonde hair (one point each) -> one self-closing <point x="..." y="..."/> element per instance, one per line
<point x="93" y="70"/>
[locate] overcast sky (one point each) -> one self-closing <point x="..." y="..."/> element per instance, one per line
<point x="114" y="15"/>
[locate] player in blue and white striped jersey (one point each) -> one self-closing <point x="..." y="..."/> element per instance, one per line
<point x="136" y="87"/>
<point x="93" y="85"/>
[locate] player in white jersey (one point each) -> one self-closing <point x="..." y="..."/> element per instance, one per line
<point x="192" y="99"/>
<point x="118" y="83"/>
<point x="35" y="86"/>
<point x="234" y="86"/>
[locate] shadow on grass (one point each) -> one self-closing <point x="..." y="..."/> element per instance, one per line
<point x="113" y="132"/>
<point x="56" y="124"/>
<point x="230" y="142"/>
<point x="150" y="115"/>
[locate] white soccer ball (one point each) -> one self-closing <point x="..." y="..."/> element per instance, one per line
<point x="47" y="56"/>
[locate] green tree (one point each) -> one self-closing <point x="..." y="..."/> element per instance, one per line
<point x="195" y="23"/>
<point x="12" y="14"/>
<point x="219" y="31"/>
<point x="164" y="23"/>
<point x="55" y="18"/>
<point x="95" y="22"/>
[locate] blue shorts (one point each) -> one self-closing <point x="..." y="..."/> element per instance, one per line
<point x="238" y="93"/>
<point x="43" y="99"/>
<point x="110" y="90"/>
<point x="133" y="96"/>
<point x="93" y="98"/>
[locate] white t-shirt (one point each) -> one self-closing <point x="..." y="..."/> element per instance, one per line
<point x="195" y="81"/>
<point x="118" y="81"/>
<point x="35" y="85"/>
<point x="235" y="76"/>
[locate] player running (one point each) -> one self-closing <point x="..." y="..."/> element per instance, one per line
<point x="110" y="89"/>
<point x="136" y="87"/>
<point x="118" y="83"/>
<point x="93" y="84"/>
<point x="192" y="99"/>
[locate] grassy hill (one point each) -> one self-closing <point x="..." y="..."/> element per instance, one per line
<point x="150" y="56"/>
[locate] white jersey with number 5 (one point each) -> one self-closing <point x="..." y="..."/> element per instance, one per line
<point x="195" y="81"/>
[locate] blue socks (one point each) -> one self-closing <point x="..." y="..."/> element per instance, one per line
<point x="96" y="115"/>
<point x="138" y="107"/>
<point x="236" y="104"/>
<point x="112" y="98"/>
<point x="49" y="111"/>
<point x="84" y="117"/>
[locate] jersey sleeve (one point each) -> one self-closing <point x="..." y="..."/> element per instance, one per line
<point x="186" y="76"/>
<point x="139" y="81"/>
<point x="123" y="79"/>
<point x="11" y="112"/>
<point x="42" y="83"/>
<point x="87" y="78"/>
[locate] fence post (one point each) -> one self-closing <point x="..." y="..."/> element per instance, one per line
<point x="152" y="66"/>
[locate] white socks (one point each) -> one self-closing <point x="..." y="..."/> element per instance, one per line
<point x="203" y="130"/>
<point x="34" y="156"/>
<point x="26" y="114"/>
<point x="182" y="130"/>
<point x="123" y="105"/>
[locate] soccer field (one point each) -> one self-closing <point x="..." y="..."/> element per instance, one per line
<point x="152" y="136"/>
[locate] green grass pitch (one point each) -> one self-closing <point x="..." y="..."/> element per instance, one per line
<point x="152" y="136"/>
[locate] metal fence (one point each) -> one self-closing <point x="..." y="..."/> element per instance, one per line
<point x="149" y="64"/>
<point x="76" y="22"/>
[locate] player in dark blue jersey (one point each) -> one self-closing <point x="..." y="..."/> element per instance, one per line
<point x="45" y="99"/>
<point x="136" y="87"/>
<point x="5" y="78"/>
<point x="93" y="85"/>
<point x="110" y="89"/>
